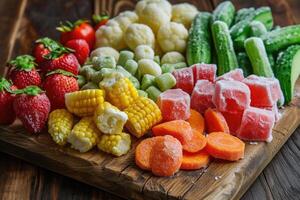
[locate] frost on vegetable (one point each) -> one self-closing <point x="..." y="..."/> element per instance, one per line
<point x="110" y="35"/>
<point x="172" y="57"/>
<point x="202" y="96"/>
<point x="143" y="51"/>
<point x="154" y="13"/>
<point x="105" y="51"/>
<point x="147" y="66"/>
<point x="172" y="37"/>
<point x="184" y="13"/>
<point x="139" y="34"/>
<point x="124" y="19"/>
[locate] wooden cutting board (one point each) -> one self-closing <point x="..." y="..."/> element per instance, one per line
<point x="221" y="180"/>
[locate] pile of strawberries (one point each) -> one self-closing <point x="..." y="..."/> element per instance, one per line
<point x="37" y="83"/>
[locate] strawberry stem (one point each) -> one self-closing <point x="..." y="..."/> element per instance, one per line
<point x="99" y="18"/>
<point x="24" y="62"/>
<point x="29" y="90"/>
<point x="60" y="71"/>
<point x="68" y="26"/>
<point x="58" y="52"/>
<point x="48" y="43"/>
<point x="5" y="85"/>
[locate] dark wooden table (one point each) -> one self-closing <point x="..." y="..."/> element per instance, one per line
<point x="24" y="21"/>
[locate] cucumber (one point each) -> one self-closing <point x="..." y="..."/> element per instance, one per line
<point x="258" y="56"/>
<point x="238" y="43"/>
<point x="262" y="14"/>
<point x="257" y="29"/>
<point x="287" y="71"/>
<point x="242" y="14"/>
<point x="282" y="38"/>
<point x="224" y="12"/>
<point x="199" y="42"/>
<point x="244" y="63"/>
<point x="227" y="60"/>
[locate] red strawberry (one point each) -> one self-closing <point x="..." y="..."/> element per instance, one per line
<point x="32" y="107"/>
<point x="81" y="29"/>
<point x="57" y="84"/>
<point x="64" y="61"/>
<point x="43" y="47"/>
<point x="100" y="20"/>
<point x="24" y="73"/>
<point x="7" y="113"/>
<point x="81" y="48"/>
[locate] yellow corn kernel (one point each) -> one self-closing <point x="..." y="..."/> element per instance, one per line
<point x="83" y="103"/>
<point x="60" y="123"/>
<point x="85" y="135"/>
<point x="109" y="119"/>
<point x="119" y="89"/>
<point x="117" y="144"/>
<point x="142" y="115"/>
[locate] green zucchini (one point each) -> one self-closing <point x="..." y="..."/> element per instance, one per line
<point x="288" y="70"/>
<point x="258" y="56"/>
<point x="257" y="29"/>
<point x="262" y="14"/>
<point x="282" y="38"/>
<point x="244" y="63"/>
<point x="227" y="60"/>
<point x="224" y="12"/>
<point x="199" y="42"/>
<point x="242" y="14"/>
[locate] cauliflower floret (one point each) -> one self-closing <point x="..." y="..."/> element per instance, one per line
<point x="154" y="13"/>
<point x="184" y="13"/>
<point x="172" y="37"/>
<point x="143" y="51"/>
<point x="105" y="51"/>
<point x="138" y="34"/>
<point x="172" y="57"/>
<point x="110" y="35"/>
<point x="124" y="19"/>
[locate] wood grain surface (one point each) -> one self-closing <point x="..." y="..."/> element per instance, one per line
<point x="19" y="180"/>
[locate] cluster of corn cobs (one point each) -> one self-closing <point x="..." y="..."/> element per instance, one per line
<point x="104" y="113"/>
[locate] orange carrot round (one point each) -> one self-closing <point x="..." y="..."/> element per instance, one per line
<point x="193" y="161"/>
<point x="197" y="142"/>
<point x="196" y="121"/>
<point x="143" y="151"/>
<point x="179" y="129"/>
<point x="215" y="121"/>
<point x="225" y="146"/>
<point x="166" y="156"/>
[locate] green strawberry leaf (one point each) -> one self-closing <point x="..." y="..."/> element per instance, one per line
<point x="5" y="85"/>
<point x="99" y="18"/>
<point x="29" y="90"/>
<point x="68" y="26"/>
<point x="60" y="71"/>
<point x="58" y="52"/>
<point x="24" y="62"/>
<point x="49" y="43"/>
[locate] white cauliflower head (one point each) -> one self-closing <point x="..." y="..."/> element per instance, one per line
<point x="110" y="35"/>
<point x="105" y="51"/>
<point x="172" y="37"/>
<point x="172" y="57"/>
<point x="143" y="51"/>
<point x="154" y="13"/>
<point x="138" y="34"/>
<point x="124" y="19"/>
<point x="184" y="13"/>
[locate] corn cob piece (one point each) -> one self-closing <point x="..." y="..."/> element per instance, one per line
<point x="109" y="119"/>
<point x="85" y="135"/>
<point x="119" y="89"/>
<point x="83" y="103"/>
<point x="142" y="115"/>
<point x="60" y="124"/>
<point x="117" y="144"/>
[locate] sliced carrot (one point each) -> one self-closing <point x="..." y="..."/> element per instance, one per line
<point x="193" y="161"/>
<point x="143" y="151"/>
<point x="196" y="121"/>
<point x="197" y="142"/>
<point x="166" y="156"/>
<point x="179" y="129"/>
<point x="225" y="146"/>
<point x="215" y="121"/>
